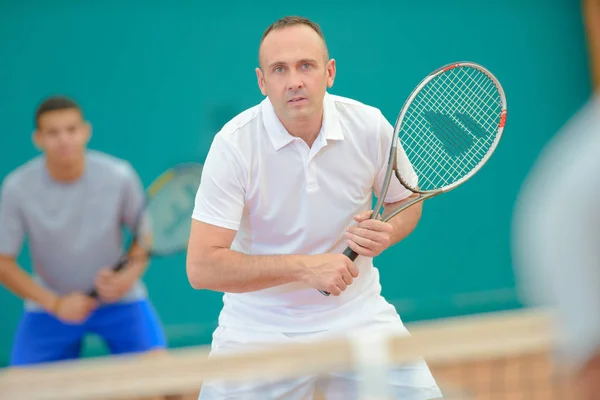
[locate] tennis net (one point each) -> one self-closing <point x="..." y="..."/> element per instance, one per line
<point x="503" y="355"/>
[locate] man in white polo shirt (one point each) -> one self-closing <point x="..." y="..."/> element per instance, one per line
<point x="286" y="186"/>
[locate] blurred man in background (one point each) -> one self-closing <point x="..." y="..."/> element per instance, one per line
<point x="557" y="231"/>
<point x="557" y="243"/>
<point x="71" y="204"/>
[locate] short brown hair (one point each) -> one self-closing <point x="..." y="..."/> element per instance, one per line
<point x="288" y="21"/>
<point x="292" y="21"/>
<point x="55" y="103"/>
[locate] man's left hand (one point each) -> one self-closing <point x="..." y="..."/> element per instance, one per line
<point x="370" y="237"/>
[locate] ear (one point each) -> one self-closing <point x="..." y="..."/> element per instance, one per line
<point x="36" y="139"/>
<point x="88" y="131"/>
<point x="330" y="69"/>
<point x="261" y="81"/>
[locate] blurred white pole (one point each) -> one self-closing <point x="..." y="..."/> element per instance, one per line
<point x="372" y="363"/>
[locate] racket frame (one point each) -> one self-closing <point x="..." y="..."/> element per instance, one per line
<point x="393" y="159"/>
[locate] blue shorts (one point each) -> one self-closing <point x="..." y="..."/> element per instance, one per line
<point x="125" y="328"/>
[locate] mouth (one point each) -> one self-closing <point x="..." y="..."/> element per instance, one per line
<point x="296" y="99"/>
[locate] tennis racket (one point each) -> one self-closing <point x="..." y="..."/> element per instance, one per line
<point x="162" y="225"/>
<point x="448" y="128"/>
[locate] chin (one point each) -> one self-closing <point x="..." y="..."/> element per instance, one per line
<point x="68" y="158"/>
<point x="302" y="112"/>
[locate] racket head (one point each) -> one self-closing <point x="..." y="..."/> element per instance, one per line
<point x="449" y="127"/>
<point x="167" y="218"/>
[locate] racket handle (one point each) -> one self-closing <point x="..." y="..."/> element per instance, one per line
<point x="121" y="264"/>
<point x="351" y="254"/>
<point x="94" y="293"/>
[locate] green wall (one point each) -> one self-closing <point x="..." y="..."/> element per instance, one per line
<point x="158" y="78"/>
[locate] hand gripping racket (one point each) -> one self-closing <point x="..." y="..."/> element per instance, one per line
<point x="163" y="223"/>
<point x="448" y="129"/>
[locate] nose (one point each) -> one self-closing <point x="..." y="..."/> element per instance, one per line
<point x="295" y="81"/>
<point x="65" y="136"/>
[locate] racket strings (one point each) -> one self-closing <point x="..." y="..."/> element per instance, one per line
<point x="450" y="126"/>
<point x="454" y="91"/>
<point x="421" y="159"/>
<point x="451" y="96"/>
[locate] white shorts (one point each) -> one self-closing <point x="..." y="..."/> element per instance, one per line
<point x="412" y="381"/>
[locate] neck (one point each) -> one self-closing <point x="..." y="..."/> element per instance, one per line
<point x="305" y="129"/>
<point x="66" y="173"/>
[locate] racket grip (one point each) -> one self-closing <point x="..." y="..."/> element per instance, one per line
<point x="351" y="254"/>
<point x="122" y="263"/>
<point x="119" y="266"/>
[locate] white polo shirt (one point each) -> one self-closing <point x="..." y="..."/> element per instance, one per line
<point x="283" y="197"/>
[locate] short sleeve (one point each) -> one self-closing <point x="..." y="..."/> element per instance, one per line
<point x="133" y="198"/>
<point x="220" y="197"/>
<point x="12" y="226"/>
<point x="396" y="191"/>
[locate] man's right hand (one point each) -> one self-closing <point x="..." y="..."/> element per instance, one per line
<point x="74" y="308"/>
<point x="331" y="273"/>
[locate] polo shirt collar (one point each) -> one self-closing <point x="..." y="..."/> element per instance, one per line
<point x="331" y="128"/>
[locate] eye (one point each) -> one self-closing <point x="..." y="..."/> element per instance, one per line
<point x="306" y="66"/>
<point x="278" y="69"/>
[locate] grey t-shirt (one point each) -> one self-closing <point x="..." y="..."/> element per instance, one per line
<point x="73" y="229"/>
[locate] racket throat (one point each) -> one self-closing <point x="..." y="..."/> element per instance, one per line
<point x="404" y="204"/>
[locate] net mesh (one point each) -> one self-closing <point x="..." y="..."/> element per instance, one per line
<point x="451" y="125"/>
<point x="491" y="357"/>
<point x="519" y="377"/>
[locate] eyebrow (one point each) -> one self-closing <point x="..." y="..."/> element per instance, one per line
<point x="304" y="60"/>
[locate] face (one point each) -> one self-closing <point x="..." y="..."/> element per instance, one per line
<point x="62" y="135"/>
<point x="294" y="72"/>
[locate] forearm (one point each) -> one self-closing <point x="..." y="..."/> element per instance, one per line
<point x="226" y="270"/>
<point x="21" y="284"/>
<point x="404" y="222"/>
